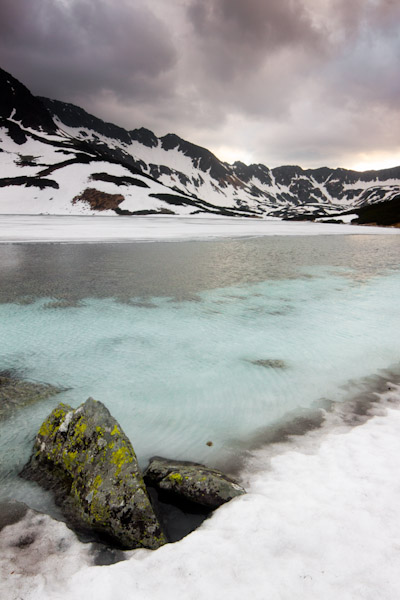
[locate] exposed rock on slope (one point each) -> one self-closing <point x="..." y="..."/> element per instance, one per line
<point x="86" y="459"/>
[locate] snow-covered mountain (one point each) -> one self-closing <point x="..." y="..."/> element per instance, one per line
<point x="56" y="158"/>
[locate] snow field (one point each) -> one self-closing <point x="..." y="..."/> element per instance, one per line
<point x="320" y="520"/>
<point x="54" y="228"/>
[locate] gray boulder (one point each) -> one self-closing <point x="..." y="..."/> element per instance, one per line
<point x="192" y="481"/>
<point x="86" y="459"/>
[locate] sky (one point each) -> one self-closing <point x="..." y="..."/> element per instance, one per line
<point x="308" y="82"/>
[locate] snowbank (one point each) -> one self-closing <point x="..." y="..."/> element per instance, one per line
<point x="320" y="521"/>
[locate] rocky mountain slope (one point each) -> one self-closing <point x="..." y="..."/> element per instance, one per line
<point x="56" y="158"/>
<point x="45" y="169"/>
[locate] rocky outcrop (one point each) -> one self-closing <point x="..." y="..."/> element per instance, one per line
<point x="192" y="482"/>
<point x="99" y="200"/>
<point x="16" y="393"/>
<point x="86" y="459"/>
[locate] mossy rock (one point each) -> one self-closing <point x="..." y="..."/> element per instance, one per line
<point x="192" y="481"/>
<point x="86" y="459"/>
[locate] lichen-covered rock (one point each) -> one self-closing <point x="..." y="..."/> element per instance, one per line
<point x="86" y="459"/>
<point x="192" y="481"/>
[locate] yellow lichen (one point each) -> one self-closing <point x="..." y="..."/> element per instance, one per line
<point x="120" y="457"/>
<point x="80" y="428"/>
<point x="69" y="458"/>
<point x="115" y="430"/>
<point x="97" y="482"/>
<point x="175" y="477"/>
<point x="51" y="425"/>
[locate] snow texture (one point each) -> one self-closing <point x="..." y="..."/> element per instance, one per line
<point x="320" y="521"/>
<point x="50" y="228"/>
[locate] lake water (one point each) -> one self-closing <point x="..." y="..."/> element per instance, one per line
<point x="194" y="342"/>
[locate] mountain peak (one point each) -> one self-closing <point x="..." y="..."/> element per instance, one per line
<point x="144" y="136"/>
<point x="17" y="103"/>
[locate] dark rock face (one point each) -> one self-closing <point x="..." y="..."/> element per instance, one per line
<point x="16" y="393"/>
<point x="381" y="213"/>
<point x="144" y="136"/>
<point x="17" y="101"/>
<point x="86" y="459"/>
<point x="192" y="481"/>
<point x="202" y="158"/>
<point x="74" y="116"/>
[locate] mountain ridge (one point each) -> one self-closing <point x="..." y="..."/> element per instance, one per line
<point x="172" y="175"/>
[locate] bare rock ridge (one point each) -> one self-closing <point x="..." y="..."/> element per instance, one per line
<point x="17" y="103"/>
<point x="86" y="459"/>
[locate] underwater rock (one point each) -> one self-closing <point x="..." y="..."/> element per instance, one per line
<point x="11" y="512"/>
<point x="192" y="481"/>
<point x="85" y="458"/>
<point x="16" y="393"/>
<point x="270" y="363"/>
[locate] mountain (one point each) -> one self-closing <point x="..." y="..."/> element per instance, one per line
<point x="57" y="158"/>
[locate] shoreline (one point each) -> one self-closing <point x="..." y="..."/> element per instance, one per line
<point x="63" y="229"/>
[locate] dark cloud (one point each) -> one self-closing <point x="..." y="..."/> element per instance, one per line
<point x="77" y="47"/>
<point x="251" y="53"/>
<point x="252" y="29"/>
<point x="309" y="81"/>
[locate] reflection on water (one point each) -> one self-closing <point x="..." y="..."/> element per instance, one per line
<point x="180" y="269"/>
<point x="188" y="343"/>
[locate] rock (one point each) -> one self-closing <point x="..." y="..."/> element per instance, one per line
<point x="11" y="512"/>
<point x="16" y="393"/>
<point x="192" y="481"/>
<point x="86" y="459"/>
<point x="270" y="363"/>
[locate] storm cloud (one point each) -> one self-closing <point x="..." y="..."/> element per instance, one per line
<point x="275" y="81"/>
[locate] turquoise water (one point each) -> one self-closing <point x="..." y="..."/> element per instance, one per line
<point x="211" y="362"/>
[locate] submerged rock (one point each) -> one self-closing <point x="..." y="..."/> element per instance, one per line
<point x="270" y="363"/>
<point x="86" y="459"/>
<point x="192" y="481"/>
<point x="16" y="393"/>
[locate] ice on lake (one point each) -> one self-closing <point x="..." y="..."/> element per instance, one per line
<point x="221" y="340"/>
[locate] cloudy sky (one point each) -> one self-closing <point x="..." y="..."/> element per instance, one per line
<point x="309" y="82"/>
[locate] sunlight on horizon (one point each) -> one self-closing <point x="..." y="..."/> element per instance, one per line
<point x="373" y="161"/>
<point x="376" y="161"/>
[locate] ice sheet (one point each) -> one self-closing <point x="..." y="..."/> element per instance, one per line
<point x="50" y="228"/>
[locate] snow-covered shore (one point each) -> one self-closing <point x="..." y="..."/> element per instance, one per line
<point x="51" y="228"/>
<point x="320" y="521"/>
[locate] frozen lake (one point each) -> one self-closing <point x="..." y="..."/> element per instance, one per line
<point x="222" y="340"/>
